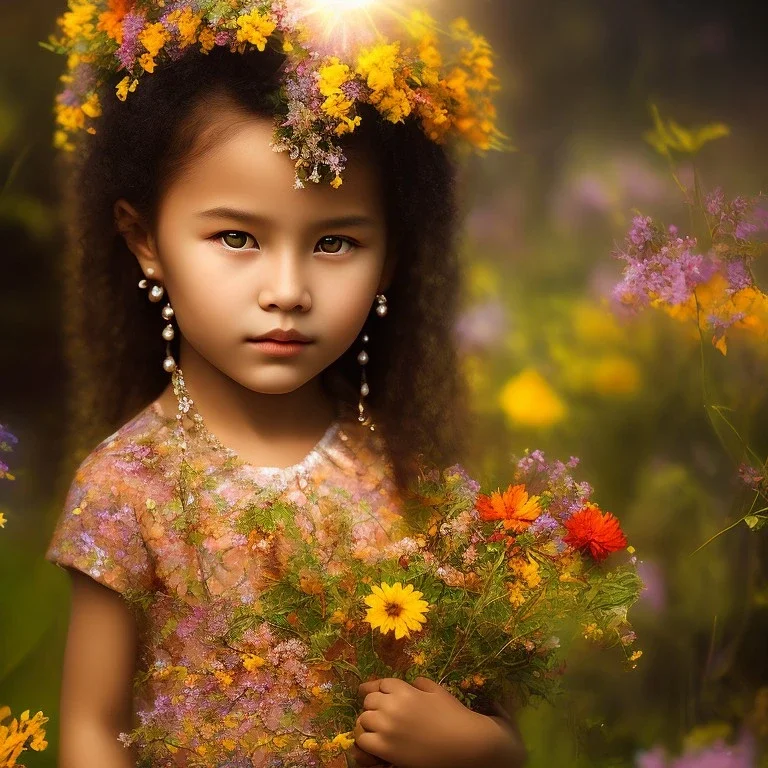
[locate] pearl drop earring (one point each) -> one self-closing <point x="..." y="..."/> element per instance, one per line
<point x="156" y="293"/>
<point x="362" y="358"/>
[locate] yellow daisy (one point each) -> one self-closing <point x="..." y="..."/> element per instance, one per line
<point x="394" y="607"/>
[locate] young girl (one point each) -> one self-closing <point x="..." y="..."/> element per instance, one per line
<point x="278" y="320"/>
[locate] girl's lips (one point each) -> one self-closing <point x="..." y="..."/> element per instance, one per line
<point x="279" y="348"/>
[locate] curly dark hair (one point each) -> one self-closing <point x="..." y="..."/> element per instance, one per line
<point x="417" y="394"/>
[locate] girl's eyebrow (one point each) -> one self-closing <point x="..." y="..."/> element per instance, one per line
<point x="225" y="212"/>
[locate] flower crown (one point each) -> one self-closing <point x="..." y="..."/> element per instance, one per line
<point x="337" y="56"/>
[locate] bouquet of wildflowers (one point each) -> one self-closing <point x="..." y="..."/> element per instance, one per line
<point x="472" y="596"/>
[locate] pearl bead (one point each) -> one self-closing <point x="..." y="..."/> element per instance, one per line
<point x="381" y="310"/>
<point x="364" y="390"/>
<point x="168" y="333"/>
<point x="150" y="271"/>
<point x="156" y="292"/>
<point x="169" y="365"/>
<point x="143" y="282"/>
<point x="167" y="312"/>
<point x="362" y="358"/>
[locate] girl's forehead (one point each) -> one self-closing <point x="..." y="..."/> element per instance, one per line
<point x="235" y="163"/>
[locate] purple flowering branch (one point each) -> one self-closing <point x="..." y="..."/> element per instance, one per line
<point x="705" y="276"/>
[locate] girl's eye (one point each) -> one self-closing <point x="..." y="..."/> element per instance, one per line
<point x="334" y="243"/>
<point x="234" y="239"/>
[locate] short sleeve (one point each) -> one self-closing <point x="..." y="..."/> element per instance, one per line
<point x="98" y="532"/>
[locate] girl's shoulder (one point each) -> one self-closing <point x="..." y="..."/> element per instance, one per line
<point x="97" y="530"/>
<point x="129" y="452"/>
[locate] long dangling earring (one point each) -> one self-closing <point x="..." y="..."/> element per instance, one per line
<point x="362" y="358"/>
<point x="156" y="293"/>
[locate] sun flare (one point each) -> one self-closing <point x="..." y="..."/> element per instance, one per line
<point x="342" y="26"/>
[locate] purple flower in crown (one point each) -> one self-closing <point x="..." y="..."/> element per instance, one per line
<point x="130" y="48"/>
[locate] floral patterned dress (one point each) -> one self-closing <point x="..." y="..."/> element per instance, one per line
<point x="186" y="543"/>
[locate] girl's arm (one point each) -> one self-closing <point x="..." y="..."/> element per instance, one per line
<point x="99" y="663"/>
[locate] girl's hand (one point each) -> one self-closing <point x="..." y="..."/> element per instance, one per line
<point x="362" y="759"/>
<point x="424" y="726"/>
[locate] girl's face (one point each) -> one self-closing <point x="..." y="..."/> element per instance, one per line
<point x="241" y="253"/>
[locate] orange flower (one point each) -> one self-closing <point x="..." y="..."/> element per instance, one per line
<point x="513" y="507"/>
<point x="594" y="530"/>
<point x="111" y="20"/>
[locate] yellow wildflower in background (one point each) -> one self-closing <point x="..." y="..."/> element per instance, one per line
<point x="483" y="280"/>
<point x="394" y="608"/>
<point x="15" y="735"/>
<point x="615" y="375"/>
<point x="671" y="136"/>
<point x="91" y="107"/>
<point x="255" y="28"/>
<point x="528" y="400"/>
<point x="3" y="520"/>
<point x="712" y="300"/>
<point x="595" y="325"/>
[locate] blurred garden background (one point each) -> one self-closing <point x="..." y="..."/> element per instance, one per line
<point x="663" y="421"/>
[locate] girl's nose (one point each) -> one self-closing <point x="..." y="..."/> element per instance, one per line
<point x="285" y="285"/>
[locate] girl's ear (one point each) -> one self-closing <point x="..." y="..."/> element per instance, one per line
<point x="130" y="224"/>
<point x="388" y="273"/>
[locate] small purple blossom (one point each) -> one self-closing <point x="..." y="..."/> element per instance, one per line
<point x="482" y="326"/>
<point x="660" y="266"/>
<point x="467" y="479"/>
<point x="7" y="439"/>
<point x="128" y="52"/>
<point x="738" y="274"/>
<point x="751" y="476"/>
<point x="641" y="231"/>
<point x="717" y="755"/>
<point x="562" y="494"/>
<point x="543" y="524"/>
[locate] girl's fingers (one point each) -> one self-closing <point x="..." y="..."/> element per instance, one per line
<point x="363" y="759"/>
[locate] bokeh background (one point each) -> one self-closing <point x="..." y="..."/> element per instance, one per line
<point x="550" y="363"/>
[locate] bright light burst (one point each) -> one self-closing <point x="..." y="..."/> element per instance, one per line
<point x="343" y="25"/>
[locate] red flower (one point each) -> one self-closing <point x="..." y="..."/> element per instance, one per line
<point x="594" y="530"/>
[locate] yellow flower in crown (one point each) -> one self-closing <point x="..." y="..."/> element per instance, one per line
<point x="389" y="55"/>
<point x="394" y="608"/>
